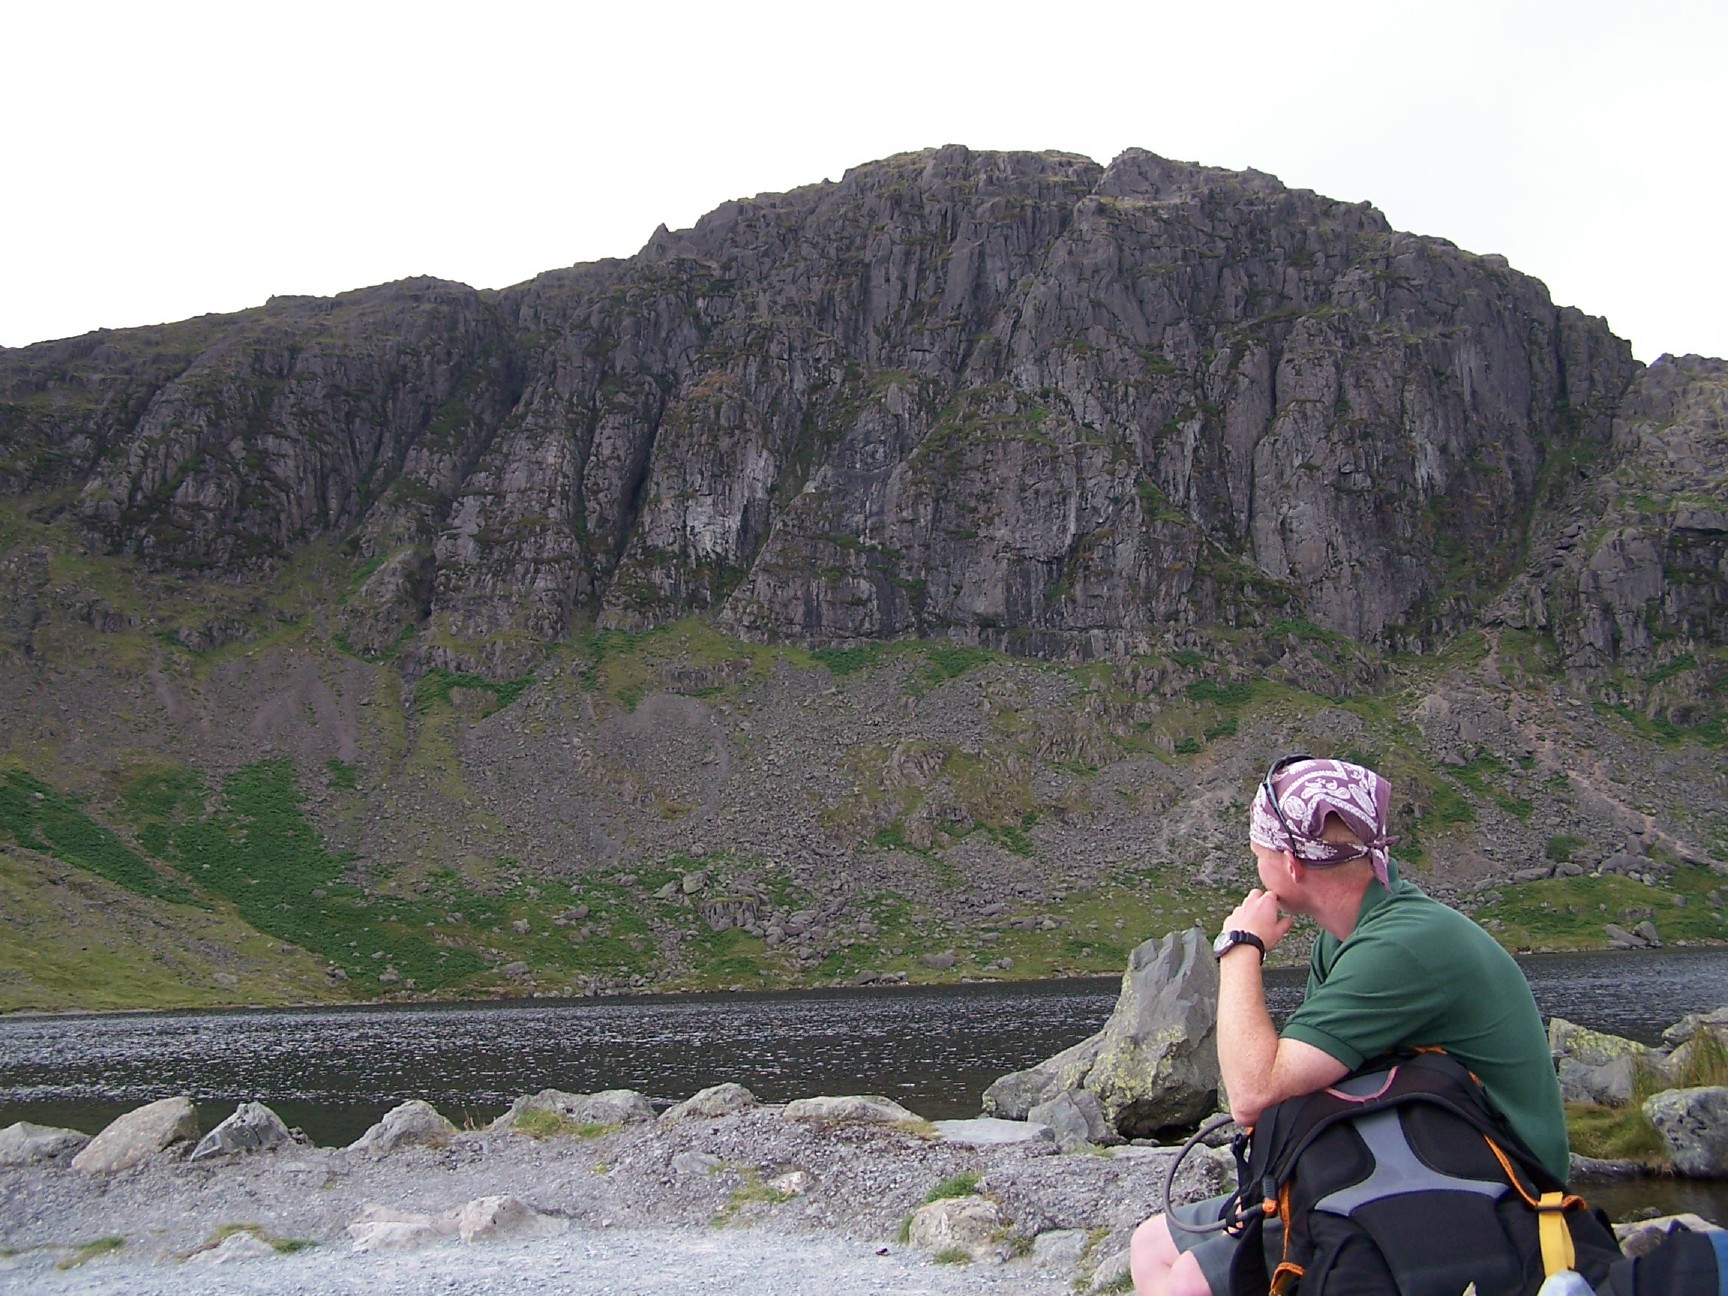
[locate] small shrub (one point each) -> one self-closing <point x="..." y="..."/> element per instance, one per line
<point x="1563" y="846"/>
<point x="1706" y="1062"/>
<point x="953" y="1255"/>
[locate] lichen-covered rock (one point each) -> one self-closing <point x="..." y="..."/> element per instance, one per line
<point x="1693" y="1124"/>
<point x="415" y="1123"/>
<point x="1154" y="1066"/>
<point x="1592" y="1048"/>
<point x="139" y="1135"/>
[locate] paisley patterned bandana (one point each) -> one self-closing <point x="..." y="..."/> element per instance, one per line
<point x="1308" y="790"/>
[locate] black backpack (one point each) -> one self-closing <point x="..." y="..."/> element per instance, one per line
<point x="1404" y="1179"/>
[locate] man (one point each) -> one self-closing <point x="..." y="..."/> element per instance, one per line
<point x="1390" y="967"/>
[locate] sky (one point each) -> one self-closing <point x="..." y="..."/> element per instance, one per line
<point x="165" y="159"/>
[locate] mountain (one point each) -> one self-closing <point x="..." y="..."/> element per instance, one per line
<point x="962" y="533"/>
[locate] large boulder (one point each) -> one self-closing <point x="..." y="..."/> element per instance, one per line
<point x="139" y="1135"/>
<point x="416" y="1123"/>
<point x="252" y="1128"/>
<point x="608" y="1107"/>
<point x="1154" y="1066"/>
<point x="1694" y="1125"/>
<point x="26" y="1144"/>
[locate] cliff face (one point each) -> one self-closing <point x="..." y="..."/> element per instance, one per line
<point x="1015" y="399"/>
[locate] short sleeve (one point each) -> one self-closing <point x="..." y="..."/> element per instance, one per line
<point x="1375" y="998"/>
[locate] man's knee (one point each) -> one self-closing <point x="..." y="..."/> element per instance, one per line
<point x="1152" y="1245"/>
<point x="1158" y="1268"/>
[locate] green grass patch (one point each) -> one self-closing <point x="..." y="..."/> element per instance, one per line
<point x="963" y="1184"/>
<point x="1572" y="912"/>
<point x="281" y="1245"/>
<point x="952" y="1256"/>
<point x="436" y="685"/>
<point x="88" y="1251"/>
<point x="1615" y="1134"/>
<point x="39" y="818"/>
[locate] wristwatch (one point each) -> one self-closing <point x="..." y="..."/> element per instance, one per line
<point x="1229" y="940"/>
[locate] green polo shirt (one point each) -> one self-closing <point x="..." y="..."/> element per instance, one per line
<point x="1415" y="972"/>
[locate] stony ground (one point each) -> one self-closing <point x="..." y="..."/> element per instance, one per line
<point x="646" y="1209"/>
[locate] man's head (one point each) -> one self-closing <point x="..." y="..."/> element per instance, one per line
<point x="1323" y="812"/>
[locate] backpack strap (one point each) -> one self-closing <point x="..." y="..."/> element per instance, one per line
<point x="1557" y="1252"/>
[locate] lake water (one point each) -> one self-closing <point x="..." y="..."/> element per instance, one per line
<point x="333" y="1071"/>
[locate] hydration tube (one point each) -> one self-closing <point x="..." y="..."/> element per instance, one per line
<point x="1217" y="1226"/>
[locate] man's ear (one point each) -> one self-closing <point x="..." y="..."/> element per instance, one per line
<point x="1293" y="867"/>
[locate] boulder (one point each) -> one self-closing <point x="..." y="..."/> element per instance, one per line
<point x="415" y="1123"/>
<point x="716" y="1100"/>
<point x="608" y="1107"/>
<point x="692" y="1164"/>
<point x="1059" y="1249"/>
<point x="1075" y="1118"/>
<point x="139" y="1135"/>
<point x="1154" y="1066"/>
<point x="25" y="1143"/>
<point x="487" y="1219"/>
<point x="1620" y="938"/>
<point x="252" y="1128"/>
<point x="1693" y="1124"/>
<point x="1609" y="1085"/>
<point x="1707" y="1045"/>
<point x="971" y="1224"/>
<point x="1687" y="1026"/>
<point x="1592" y="1048"/>
<point x="869" y="1109"/>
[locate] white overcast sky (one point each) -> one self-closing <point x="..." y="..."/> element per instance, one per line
<point x="166" y="159"/>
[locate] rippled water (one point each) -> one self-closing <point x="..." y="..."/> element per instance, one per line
<point x="334" y="1071"/>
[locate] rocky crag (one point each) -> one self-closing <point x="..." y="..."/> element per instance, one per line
<point x="960" y="536"/>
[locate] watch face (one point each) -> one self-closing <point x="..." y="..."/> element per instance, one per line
<point x="1224" y="942"/>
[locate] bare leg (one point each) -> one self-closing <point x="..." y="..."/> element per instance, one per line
<point x="1158" y="1268"/>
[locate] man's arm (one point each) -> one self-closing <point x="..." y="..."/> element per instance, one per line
<point x="1258" y="1068"/>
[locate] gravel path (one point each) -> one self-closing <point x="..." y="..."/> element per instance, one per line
<point x="613" y="1262"/>
<point x="650" y="1209"/>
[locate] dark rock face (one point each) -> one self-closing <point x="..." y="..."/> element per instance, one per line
<point x="1017" y="399"/>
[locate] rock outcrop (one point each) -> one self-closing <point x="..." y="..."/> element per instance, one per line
<point x="1015" y="398"/>
<point x="1154" y="1067"/>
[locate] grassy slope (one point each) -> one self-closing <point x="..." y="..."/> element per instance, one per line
<point x="69" y="939"/>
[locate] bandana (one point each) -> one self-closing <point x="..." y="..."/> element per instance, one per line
<point x="1310" y="790"/>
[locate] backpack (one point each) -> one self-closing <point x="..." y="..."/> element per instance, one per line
<point x="1404" y="1179"/>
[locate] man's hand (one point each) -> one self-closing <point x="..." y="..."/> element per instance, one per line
<point x="1258" y="913"/>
